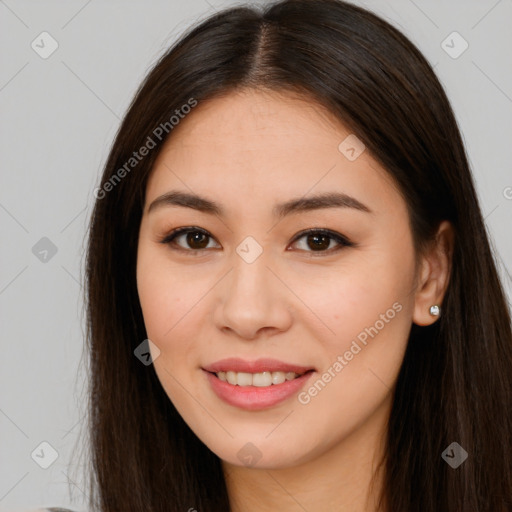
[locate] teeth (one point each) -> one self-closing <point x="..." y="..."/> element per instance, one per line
<point x="231" y="377"/>
<point x="262" y="380"/>
<point x="278" y="377"/>
<point x="243" y="379"/>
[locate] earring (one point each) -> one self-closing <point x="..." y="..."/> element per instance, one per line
<point x="435" y="310"/>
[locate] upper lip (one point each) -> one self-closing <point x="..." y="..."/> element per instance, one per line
<point x="258" y="366"/>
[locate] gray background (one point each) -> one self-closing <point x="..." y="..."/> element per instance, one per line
<point x="58" y="118"/>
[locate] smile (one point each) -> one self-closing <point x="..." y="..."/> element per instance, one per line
<point x="263" y="379"/>
<point x="255" y="385"/>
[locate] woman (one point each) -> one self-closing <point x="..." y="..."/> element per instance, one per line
<point x="292" y="300"/>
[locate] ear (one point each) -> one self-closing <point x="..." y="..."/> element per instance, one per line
<point x="434" y="275"/>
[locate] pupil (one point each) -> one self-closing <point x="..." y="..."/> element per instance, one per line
<point x="192" y="238"/>
<point x="316" y="238"/>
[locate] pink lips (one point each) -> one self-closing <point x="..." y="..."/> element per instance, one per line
<point x="254" y="398"/>
<point x="260" y="365"/>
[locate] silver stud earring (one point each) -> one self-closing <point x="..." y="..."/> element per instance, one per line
<point x="435" y="310"/>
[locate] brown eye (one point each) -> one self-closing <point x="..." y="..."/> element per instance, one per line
<point x="195" y="239"/>
<point x="319" y="241"/>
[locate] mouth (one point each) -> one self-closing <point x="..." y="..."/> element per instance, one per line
<point x="260" y="379"/>
<point x="263" y="365"/>
<point x="256" y="385"/>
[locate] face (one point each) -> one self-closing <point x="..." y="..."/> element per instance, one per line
<point x="280" y="321"/>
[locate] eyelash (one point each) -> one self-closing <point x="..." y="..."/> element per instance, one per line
<point x="337" y="237"/>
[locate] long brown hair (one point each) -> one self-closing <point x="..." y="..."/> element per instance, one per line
<point x="455" y="383"/>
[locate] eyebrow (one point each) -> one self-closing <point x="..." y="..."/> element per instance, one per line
<point x="301" y="204"/>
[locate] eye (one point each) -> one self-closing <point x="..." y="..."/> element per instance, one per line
<point x="197" y="238"/>
<point x="319" y="240"/>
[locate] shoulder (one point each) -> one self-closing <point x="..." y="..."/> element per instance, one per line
<point x="56" y="509"/>
<point x="51" y="509"/>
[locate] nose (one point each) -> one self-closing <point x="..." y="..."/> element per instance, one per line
<point x="251" y="301"/>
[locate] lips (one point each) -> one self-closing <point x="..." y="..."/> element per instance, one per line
<point x="237" y="365"/>
<point x="261" y="394"/>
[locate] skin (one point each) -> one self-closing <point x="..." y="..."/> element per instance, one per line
<point x="248" y="151"/>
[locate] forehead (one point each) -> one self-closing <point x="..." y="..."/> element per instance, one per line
<point x="265" y="145"/>
<point x="253" y="117"/>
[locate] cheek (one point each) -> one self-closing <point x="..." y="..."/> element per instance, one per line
<point x="352" y="300"/>
<point x="369" y="313"/>
<point x="368" y="310"/>
<point x="169" y="300"/>
<point x="167" y="296"/>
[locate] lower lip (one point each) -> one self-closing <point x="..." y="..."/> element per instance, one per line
<point x="254" y="398"/>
